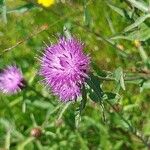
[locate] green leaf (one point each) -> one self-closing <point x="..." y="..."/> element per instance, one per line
<point x="139" y="21"/>
<point x="141" y="5"/>
<point x="125" y="13"/>
<point x="110" y="23"/>
<point x="146" y="85"/>
<point x="118" y="145"/>
<point x="117" y="9"/>
<point x="7" y="139"/>
<point x="95" y="91"/>
<point x="77" y="118"/>
<point x="130" y="107"/>
<point x="143" y="54"/>
<point x="42" y="104"/>
<point x="95" y="84"/>
<point x="111" y="96"/>
<point x="3" y="11"/>
<point x="142" y="34"/>
<point x="87" y="16"/>
<point x="97" y="70"/>
<point x="22" y="9"/>
<point x="81" y="107"/>
<point x="67" y="30"/>
<point x="118" y="75"/>
<point x="84" y="98"/>
<point x="62" y="111"/>
<point x="5" y="123"/>
<point x="25" y="143"/>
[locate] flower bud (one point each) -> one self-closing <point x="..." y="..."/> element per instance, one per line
<point x="36" y="132"/>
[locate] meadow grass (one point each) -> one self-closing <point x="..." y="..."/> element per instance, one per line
<point x="102" y="26"/>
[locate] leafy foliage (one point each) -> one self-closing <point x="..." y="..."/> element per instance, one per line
<point x="113" y="110"/>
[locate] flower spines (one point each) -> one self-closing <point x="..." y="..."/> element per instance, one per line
<point x="65" y="67"/>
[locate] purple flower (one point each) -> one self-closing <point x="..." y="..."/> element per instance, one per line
<point x="64" y="67"/>
<point x="11" y="80"/>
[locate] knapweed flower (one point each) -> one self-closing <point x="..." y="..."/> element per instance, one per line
<point x="11" y="80"/>
<point x="46" y="3"/>
<point x="65" y="67"/>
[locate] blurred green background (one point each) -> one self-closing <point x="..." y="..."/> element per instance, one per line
<point x="95" y="22"/>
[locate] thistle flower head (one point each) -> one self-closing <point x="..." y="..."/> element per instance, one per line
<point x="11" y="80"/>
<point x="64" y="67"/>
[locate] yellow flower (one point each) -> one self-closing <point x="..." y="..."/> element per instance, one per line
<point x="46" y="3"/>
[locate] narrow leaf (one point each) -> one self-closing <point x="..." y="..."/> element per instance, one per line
<point x="140" y="5"/>
<point x="141" y="34"/>
<point x="84" y="98"/>
<point x="3" y="11"/>
<point x="87" y="16"/>
<point x="118" y="74"/>
<point x="116" y="9"/>
<point x="96" y="92"/>
<point x="137" y="22"/>
<point x="77" y="118"/>
<point x="22" y="9"/>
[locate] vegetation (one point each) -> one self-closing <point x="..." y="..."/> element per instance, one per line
<point x="113" y="111"/>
